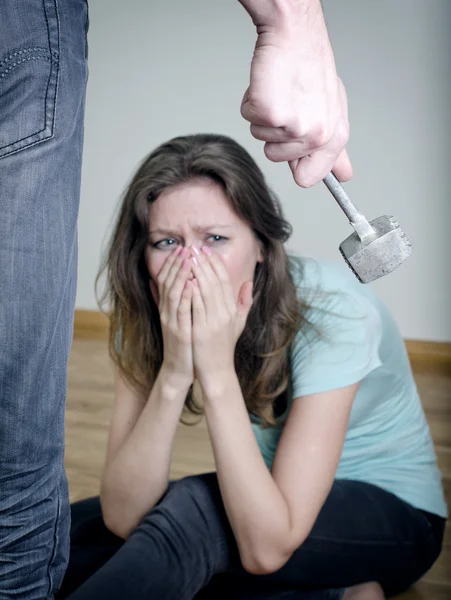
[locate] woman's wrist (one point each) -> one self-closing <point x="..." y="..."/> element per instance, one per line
<point x="215" y="385"/>
<point x="173" y="382"/>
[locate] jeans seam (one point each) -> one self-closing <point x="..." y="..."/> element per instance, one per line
<point x="86" y="29"/>
<point x="55" y="542"/>
<point x="55" y="55"/>
<point x="57" y="63"/>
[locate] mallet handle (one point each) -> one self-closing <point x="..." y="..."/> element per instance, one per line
<point x="356" y="219"/>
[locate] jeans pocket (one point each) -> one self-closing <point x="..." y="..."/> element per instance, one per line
<point x="29" y="71"/>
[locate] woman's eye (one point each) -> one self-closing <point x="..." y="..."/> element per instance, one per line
<point x="161" y="243"/>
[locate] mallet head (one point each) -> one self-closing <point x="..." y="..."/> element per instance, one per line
<point x="376" y="255"/>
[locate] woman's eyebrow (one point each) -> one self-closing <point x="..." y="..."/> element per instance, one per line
<point x="201" y="229"/>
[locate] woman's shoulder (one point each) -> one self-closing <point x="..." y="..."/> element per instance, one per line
<point x="322" y="275"/>
<point x="341" y="344"/>
<point x="327" y="285"/>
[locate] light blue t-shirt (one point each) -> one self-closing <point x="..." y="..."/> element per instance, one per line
<point x="388" y="442"/>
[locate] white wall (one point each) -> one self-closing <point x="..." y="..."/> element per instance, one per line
<point x="160" y="69"/>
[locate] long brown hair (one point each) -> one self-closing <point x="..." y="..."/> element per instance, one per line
<point x="276" y="315"/>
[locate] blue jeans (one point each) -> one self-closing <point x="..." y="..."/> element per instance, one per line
<point x="43" y="73"/>
<point x="184" y="548"/>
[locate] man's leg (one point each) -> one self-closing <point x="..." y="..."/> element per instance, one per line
<point x="43" y="76"/>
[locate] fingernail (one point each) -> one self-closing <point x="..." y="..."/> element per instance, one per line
<point x="195" y="249"/>
<point x="195" y="261"/>
<point x="206" y="250"/>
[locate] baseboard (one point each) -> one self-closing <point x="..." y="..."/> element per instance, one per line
<point x="431" y="356"/>
<point x="91" y="324"/>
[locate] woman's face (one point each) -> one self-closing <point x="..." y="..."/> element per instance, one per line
<point x="198" y="212"/>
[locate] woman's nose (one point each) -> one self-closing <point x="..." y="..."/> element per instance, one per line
<point x="189" y="243"/>
<point x="190" y="254"/>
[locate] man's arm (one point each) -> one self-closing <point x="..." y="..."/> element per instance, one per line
<point x="295" y="101"/>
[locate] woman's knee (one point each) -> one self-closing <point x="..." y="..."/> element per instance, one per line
<point x="190" y="512"/>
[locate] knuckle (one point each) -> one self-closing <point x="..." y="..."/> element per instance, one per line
<point x="296" y="130"/>
<point x="173" y="296"/>
<point x="315" y="135"/>
<point x="319" y="136"/>
<point x="183" y="308"/>
<point x="343" y="134"/>
<point x="182" y="339"/>
<point x="272" y="117"/>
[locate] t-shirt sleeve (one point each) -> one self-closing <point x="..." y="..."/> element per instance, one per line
<point x="341" y="349"/>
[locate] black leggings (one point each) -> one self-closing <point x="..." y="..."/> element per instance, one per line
<point x="184" y="548"/>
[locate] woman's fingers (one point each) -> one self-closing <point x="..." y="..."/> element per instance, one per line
<point x="210" y="291"/>
<point x="184" y="309"/>
<point x="199" y="311"/>
<point x="219" y="268"/>
<point x="169" y="272"/>
<point x="168" y="265"/>
<point x="170" y="286"/>
<point x="174" y="294"/>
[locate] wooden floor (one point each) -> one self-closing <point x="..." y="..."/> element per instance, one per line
<point x="88" y="411"/>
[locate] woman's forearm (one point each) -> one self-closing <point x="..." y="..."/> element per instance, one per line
<point x="138" y="475"/>
<point x="257" y="511"/>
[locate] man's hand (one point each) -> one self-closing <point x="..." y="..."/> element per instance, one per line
<point x="295" y="102"/>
